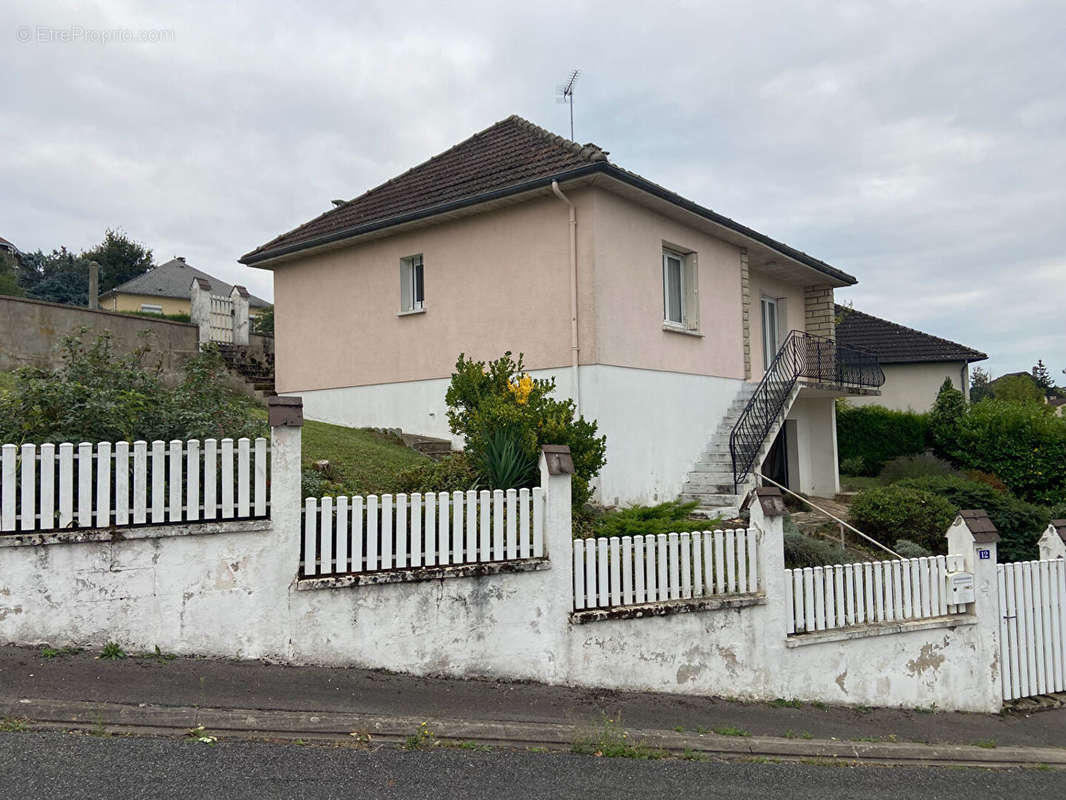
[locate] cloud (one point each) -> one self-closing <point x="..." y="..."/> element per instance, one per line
<point x="917" y="145"/>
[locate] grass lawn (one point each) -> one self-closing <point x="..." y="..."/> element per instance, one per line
<point x="365" y="461"/>
<point x="856" y="483"/>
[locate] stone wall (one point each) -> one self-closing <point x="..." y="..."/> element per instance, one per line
<point x="819" y="314"/>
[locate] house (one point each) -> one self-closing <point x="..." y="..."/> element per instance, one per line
<point x="8" y="247"/>
<point x="165" y="290"/>
<point x="657" y="316"/>
<point x="915" y="364"/>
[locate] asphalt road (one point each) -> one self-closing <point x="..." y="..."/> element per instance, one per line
<point x="73" y="766"/>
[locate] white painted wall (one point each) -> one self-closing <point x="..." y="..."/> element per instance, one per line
<point x="812" y="451"/>
<point x="235" y="595"/>
<point x="656" y="423"/>
<point x="913" y="387"/>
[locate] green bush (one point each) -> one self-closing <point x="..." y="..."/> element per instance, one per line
<point x="803" y="551"/>
<point x="1020" y="523"/>
<point x="1022" y="444"/>
<point x="671" y="517"/>
<point x="890" y="513"/>
<point x="454" y="473"/>
<point x="504" y="463"/>
<point x="877" y="435"/>
<point x="909" y="549"/>
<point x="99" y="395"/>
<point x="487" y="397"/>
<point x="914" y="467"/>
<point x="947" y="413"/>
<point x="854" y="465"/>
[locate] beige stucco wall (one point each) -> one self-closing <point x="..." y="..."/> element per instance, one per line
<point x="913" y="387"/>
<point x="790" y="309"/>
<point x="121" y="301"/>
<point x="629" y="241"/>
<point x="493" y="282"/>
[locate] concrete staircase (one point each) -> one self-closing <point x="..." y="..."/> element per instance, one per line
<point x="256" y="370"/>
<point x="710" y="482"/>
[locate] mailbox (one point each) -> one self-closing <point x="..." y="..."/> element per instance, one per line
<point x="959" y="587"/>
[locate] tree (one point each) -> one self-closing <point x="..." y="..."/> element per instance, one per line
<point x="58" y="277"/>
<point x="9" y="276"/>
<point x="948" y="411"/>
<point x="120" y="259"/>
<point x="979" y="385"/>
<point x="1018" y="389"/>
<point x="1042" y="376"/>
<point x="264" y="322"/>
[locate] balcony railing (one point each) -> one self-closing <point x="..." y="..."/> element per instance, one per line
<point x="803" y="355"/>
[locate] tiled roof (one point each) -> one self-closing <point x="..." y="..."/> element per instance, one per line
<point x="174" y="279"/>
<point x="897" y="344"/>
<point x="511" y="156"/>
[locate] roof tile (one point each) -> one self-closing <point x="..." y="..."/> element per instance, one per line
<point x="897" y="344"/>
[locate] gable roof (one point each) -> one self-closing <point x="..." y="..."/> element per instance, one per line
<point x="174" y="279"/>
<point x="897" y="344"/>
<point x="507" y="158"/>
<point x="6" y="245"/>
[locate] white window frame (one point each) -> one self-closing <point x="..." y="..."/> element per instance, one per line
<point x="769" y="348"/>
<point x="410" y="267"/>
<point x="151" y="308"/>
<point x="689" y="290"/>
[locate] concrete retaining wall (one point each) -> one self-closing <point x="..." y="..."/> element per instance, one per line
<point x="235" y="593"/>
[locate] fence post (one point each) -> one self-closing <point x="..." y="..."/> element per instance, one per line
<point x="557" y="596"/>
<point x="1053" y="542"/>
<point x="200" y="307"/>
<point x="239" y="296"/>
<point x="767" y="514"/>
<point x="973" y="536"/>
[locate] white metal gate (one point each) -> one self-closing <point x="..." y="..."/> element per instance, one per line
<point x="1032" y="631"/>
<point x="221" y="319"/>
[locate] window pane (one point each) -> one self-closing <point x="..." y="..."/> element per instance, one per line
<point x="674" y="291"/>
<point x="769" y="330"/>
<point x="417" y="283"/>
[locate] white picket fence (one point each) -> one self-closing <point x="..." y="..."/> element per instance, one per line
<point x="1032" y="633"/>
<point x="630" y="570"/>
<point x="221" y="319"/>
<point x="52" y="487"/>
<point x="825" y="598"/>
<point x="366" y="534"/>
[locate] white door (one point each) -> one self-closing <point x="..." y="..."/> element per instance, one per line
<point x="769" y="331"/>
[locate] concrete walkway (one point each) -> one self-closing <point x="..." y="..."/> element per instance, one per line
<point x="159" y="695"/>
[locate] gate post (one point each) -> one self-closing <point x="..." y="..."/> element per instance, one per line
<point x="1053" y="542"/>
<point x="974" y="537"/>
<point x="200" y="308"/>
<point x="239" y="296"/>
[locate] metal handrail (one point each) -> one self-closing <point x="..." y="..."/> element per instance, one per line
<point x="802" y="355"/>
<point x="837" y="519"/>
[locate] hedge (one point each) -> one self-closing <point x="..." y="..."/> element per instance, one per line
<point x="876" y="435"/>
<point x="891" y="513"/>
<point x="1020" y="523"/>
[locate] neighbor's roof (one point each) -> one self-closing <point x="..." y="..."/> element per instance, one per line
<point x="510" y="157"/>
<point x="174" y="279"/>
<point x="897" y="344"/>
<point x="6" y="244"/>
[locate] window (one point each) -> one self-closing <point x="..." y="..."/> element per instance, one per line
<point x="680" y="307"/>
<point x="151" y="309"/>
<point x="412" y="285"/>
<point x="769" y="330"/>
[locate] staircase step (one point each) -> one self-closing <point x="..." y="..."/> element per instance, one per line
<point x="709" y="500"/>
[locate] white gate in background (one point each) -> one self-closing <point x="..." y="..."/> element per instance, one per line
<point x="221" y="319"/>
<point x="1032" y="631"/>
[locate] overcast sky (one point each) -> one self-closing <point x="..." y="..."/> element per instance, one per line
<point x="920" y="146"/>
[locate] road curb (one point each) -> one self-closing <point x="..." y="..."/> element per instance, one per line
<point x="46" y="714"/>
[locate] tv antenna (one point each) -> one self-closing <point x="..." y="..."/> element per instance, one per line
<point x="566" y="95"/>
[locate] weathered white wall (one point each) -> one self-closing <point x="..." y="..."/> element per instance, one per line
<point x="913" y="387"/>
<point x="234" y="594"/>
<point x="656" y="422"/>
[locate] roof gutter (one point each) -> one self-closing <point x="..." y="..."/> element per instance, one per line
<point x="605" y="167"/>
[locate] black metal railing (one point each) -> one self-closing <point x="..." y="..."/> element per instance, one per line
<point x="803" y="355"/>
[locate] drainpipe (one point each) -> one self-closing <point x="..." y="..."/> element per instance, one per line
<point x="574" y="350"/>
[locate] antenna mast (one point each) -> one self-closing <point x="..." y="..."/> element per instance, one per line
<point x="566" y="92"/>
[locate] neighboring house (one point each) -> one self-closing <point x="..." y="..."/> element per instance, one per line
<point x="165" y="290"/>
<point x="656" y="315"/>
<point x="7" y="247"/>
<point x="915" y="363"/>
